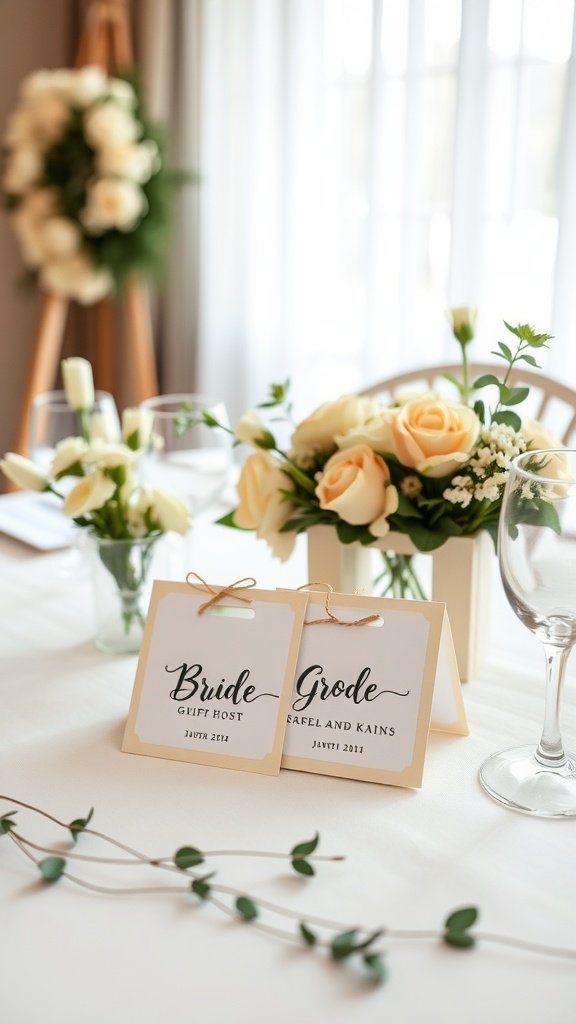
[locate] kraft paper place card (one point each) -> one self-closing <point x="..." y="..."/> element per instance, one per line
<point x="213" y="685"/>
<point x="364" y="694"/>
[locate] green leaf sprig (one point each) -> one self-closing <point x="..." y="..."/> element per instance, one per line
<point x="527" y="338"/>
<point x="342" y="944"/>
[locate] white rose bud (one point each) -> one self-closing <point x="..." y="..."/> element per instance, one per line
<point x="67" y="453"/>
<point x="108" y="455"/>
<point x="78" y="383"/>
<point x="250" y="429"/>
<point x="137" y="421"/>
<point x="23" y="472"/>
<point x="90" y="493"/>
<point x="102" y="427"/>
<point x="170" y="511"/>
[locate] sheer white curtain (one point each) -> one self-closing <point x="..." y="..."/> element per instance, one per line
<point x="367" y="163"/>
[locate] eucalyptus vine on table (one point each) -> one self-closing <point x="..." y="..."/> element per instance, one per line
<point x="343" y="943"/>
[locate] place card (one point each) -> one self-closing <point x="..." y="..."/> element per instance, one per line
<point x="369" y="686"/>
<point x="215" y="677"/>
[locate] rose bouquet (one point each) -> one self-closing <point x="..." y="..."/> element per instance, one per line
<point x="96" y="477"/>
<point x="423" y="466"/>
<point x="85" y="182"/>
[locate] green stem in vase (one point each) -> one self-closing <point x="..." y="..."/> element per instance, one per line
<point x="400" y="578"/>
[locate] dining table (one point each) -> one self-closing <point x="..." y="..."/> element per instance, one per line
<point x="145" y="948"/>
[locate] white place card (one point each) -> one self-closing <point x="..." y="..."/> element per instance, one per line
<point x="213" y="687"/>
<point x="365" y="696"/>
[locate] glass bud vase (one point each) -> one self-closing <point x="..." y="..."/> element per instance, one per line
<point x="122" y="575"/>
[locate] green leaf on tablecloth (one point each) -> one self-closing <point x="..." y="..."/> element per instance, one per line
<point x="200" y="886"/>
<point x="246" y="908"/>
<point x="375" y="966"/>
<point x="188" y="857"/>
<point x="461" y="940"/>
<point x="6" y="823"/>
<point x="457" y="927"/>
<point x="51" y="868"/>
<point x="343" y="945"/>
<point x="308" y="935"/>
<point x="305" y="848"/>
<point x="303" y="867"/>
<point x="79" y="824"/>
<point x="461" y="919"/>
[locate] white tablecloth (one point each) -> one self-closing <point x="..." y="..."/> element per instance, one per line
<point x="67" y="954"/>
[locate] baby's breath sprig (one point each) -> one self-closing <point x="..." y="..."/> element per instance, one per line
<point x="342" y="943"/>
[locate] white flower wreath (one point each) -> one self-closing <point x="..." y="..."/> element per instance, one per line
<point x="83" y="179"/>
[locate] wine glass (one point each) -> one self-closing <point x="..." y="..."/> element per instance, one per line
<point x="52" y="419"/>
<point x="537" y="558"/>
<point x="185" y="455"/>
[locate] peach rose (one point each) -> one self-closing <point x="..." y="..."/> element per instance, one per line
<point x="434" y="436"/>
<point x="262" y="507"/>
<point x="318" y="431"/>
<point x="356" y="485"/>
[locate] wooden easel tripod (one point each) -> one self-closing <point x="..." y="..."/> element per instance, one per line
<point x="105" y="41"/>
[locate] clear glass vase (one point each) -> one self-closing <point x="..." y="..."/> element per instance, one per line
<point x="122" y="575"/>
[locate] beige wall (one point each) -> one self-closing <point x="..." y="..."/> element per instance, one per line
<point x="33" y="34"/>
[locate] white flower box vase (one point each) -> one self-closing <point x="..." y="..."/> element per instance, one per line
<point x="461" y="578"/>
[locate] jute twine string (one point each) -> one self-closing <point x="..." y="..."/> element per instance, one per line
<point x="230" y="591"/>
<point x="330" y="616"/>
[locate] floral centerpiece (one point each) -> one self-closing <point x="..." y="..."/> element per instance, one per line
<point x="423" y="466"/>
<point x="97" y="480"/>
<point x="85" y="182"/>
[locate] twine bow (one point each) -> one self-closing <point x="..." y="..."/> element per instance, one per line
<point x="330" y="617"/>
<point x="217" y="595"/>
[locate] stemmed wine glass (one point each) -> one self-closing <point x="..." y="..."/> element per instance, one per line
<point x="537" y="558"/>
<point x="52" y="419"/>
<point x="185" y="455"/>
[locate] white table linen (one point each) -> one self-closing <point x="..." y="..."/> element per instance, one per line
<point x="412" y="856"/>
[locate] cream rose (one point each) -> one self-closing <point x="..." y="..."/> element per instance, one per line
<point x="90" y="493"/>
<point x="433" y="436"/>
<point x="75" y="276"/>
<point x="23" y="472"/>
<point x="23" y="168"/>
<point x="318" y="431"/>
<point x="113" y="203"/>
<point x="110" y="124"/>
<point x="356" y="485"/>
<point x="59" y="236"/>
<point x="262" y="507"/>
<point x="376" y="433"/>
<point x="538" y="436"/>
<point x="86" y="85"/>
<point x="137" y="161"/>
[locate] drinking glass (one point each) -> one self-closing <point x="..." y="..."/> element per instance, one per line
<point x="52" y="419"/>
<point x="537" y="558"/>
<point x="185" y="455"/>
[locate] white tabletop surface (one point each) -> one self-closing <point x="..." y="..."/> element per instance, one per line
<point x="411" y="856"/>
